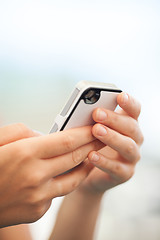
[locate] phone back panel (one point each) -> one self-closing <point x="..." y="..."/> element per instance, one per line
<point x="81" y="114"/>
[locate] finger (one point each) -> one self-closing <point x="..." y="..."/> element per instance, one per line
<point x="66" y="183"/>
<point x="63" y="163"/>
<point x="56" y="144"/>
<point x="125" y="125"/>
<point x="125" y="146"/>
<point x="14" y="132"/>
<point x="129" y="105"/>
<point x="116" y="169"/>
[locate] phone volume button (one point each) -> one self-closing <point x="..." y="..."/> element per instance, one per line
<point x="70" y="102"/>
<point x="54" y="128"/>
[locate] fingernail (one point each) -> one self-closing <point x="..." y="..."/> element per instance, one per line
<point x="101" y="131"/>
<point x="124" y="98"/>
<point x="101" y="115"/>
<point x="94" y="157"/>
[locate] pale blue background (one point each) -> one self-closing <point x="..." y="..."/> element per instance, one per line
<point x="46" y="47"/>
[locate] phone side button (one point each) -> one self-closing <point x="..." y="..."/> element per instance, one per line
<point x="54" y="128"/>
<point x="70" y="102"/>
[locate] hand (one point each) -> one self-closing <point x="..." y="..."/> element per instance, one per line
<point x="120" y="132"/>
<point x="30" y="168"/>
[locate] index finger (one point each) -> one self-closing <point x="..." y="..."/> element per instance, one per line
<point x="56" y="144"/>
<point x="129" y="104"/>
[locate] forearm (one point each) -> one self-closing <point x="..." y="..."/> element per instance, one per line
<point x="77" y="217"/>
<point x="18" y="232"/>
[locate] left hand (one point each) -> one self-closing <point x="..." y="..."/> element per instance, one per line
<point x="31" y="169"/>
<point x="120" y="133"/>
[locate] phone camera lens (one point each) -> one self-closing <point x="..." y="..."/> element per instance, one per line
<point x="91" y="96"/>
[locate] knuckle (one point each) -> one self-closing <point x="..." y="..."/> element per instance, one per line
<point x="116" y="168"/>
<point x="38" y="211"/>
<point x="127" y="175"/>
<point x="25" y="153"/>
<point x="130" y="174"/>
<point x="109" y="118"/>
<point x="74" y="184"/>
<point x="68" y="142"/>
<point x="114" y="117"/>
<point x="24" y="130"/>
<point x="133" y="152"/>
<point x="139" y="109"/>
<point x="134" y="128"/>
<point x="63" y="189"/>
<point x="35" y="178"/>
<point x="131" y="148"/>
<point x="20" y="151"/>
<point x="141" y="139"/>
<point x="35" y="197"/>
<point x="138" y="156"/>
<point x="77" y="156"/>
<point x="59" y="189"/>
<point x="16" y="150"/>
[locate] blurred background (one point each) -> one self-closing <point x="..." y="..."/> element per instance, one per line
<point x="46" y="47"/>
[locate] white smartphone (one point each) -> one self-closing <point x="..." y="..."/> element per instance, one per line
<point x="86" y="96"/>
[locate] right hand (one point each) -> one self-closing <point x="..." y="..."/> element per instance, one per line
<point x="31" y="168"/>
<point x="120" y="131"/>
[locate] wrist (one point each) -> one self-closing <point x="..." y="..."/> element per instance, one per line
<point x="88" y="195"/>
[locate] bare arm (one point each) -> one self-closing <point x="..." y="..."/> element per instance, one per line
<point x="15" y="232"/>
<point x="113" y="165"/>
<point x="77" y="217"/>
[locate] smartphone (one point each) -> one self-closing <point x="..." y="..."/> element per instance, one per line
<point x="86" y="96"/>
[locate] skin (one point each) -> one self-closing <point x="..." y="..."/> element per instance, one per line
<point x="114" y="164"/>
<point x="30" y="165"/>
<point x="122" y="136"/>
<point x="17" y="232"/>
